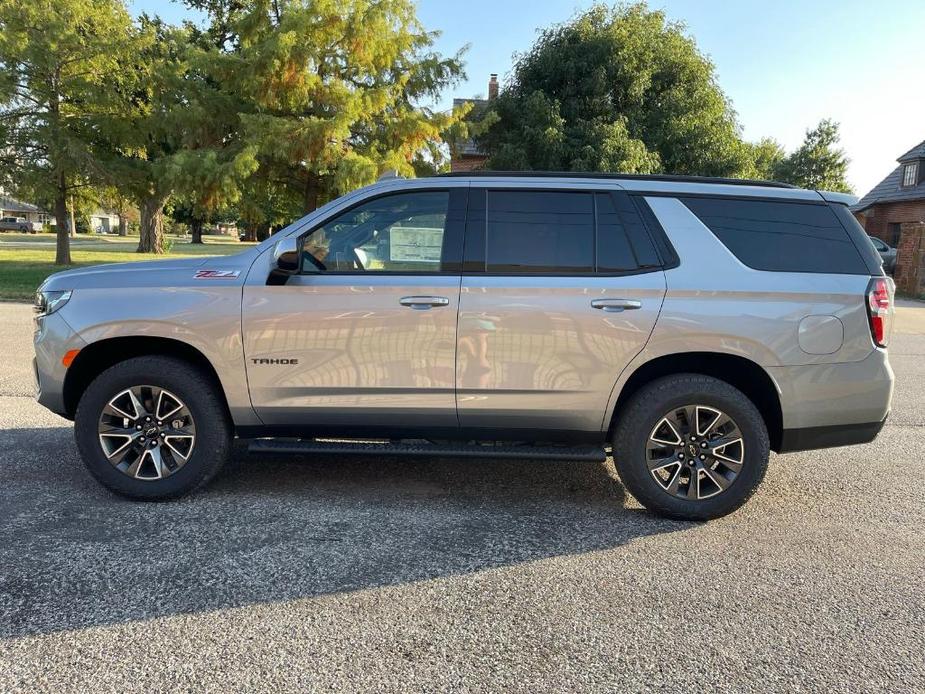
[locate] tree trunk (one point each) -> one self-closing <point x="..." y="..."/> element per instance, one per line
<point x="310" y="195"/>
<point x="123" y="225"/>
<point x="196" y="228"/>
<point x="62" y="239"/>
<point x="152" y="225"/>
<point x="250" y="232"/>
<point x="73" y="224"/>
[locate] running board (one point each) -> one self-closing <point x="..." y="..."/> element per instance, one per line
<point x="436" y="450"/>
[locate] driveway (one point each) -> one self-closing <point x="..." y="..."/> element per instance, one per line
<point x="387" y="574"/>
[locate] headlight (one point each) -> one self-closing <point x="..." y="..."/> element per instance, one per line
<point x="48" y="302"/>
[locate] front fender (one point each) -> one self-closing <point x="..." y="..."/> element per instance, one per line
<point x="206" y="318"/>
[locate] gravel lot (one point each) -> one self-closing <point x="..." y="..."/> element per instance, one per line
<point x="409" y="575"/>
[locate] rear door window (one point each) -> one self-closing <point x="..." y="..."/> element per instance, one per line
<point x="539" y="232"/>
<point x="780" y="236"/>
<point x="556" y="232"/>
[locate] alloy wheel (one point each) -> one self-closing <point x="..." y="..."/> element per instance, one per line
<point x="147" y="432"/>
<point x="695" y="452"/>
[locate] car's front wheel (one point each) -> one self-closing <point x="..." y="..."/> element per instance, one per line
<point x="690" y="446"/>
<point x="152" y="428"/>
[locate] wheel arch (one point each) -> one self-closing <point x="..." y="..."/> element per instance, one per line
<point x="739" y="372"/>
<point x="102" y="354"/>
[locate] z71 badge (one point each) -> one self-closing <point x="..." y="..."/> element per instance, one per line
<point x="216" y="274"/>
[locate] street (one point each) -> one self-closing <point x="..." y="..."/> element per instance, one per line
<point x="328" y="573"/>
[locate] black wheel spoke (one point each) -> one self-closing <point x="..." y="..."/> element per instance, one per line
<point x="695" y="452"/>
<point x="146" y="432"/>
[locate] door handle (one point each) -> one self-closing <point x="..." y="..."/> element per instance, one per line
<point x="616" y="305"/>
<point x="422" y="303"/>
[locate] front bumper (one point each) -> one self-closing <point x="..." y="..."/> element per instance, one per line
<point x="52" y="340"/>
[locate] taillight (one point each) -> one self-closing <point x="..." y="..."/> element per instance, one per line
<point x="878" y="309"/>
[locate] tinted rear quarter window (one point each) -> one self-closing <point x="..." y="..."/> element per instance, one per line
<point x="781" y="236"/>
<point x="858" y="236"/>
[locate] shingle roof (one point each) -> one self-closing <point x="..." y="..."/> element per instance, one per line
<point x="8" y="204"/>
<point x="889" y="189"/>
<point x="917" y="152"/>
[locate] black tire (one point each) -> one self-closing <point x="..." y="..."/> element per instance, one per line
<point x="197" y="391"/>
<point x="637" y="420"/>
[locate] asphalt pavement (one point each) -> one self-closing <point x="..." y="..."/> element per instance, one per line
<point x="363" y="574"/>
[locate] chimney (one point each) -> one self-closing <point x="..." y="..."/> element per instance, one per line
<point x="493" y="86"/>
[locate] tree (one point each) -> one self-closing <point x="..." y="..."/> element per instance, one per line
<point x="143" y="138"/>
<point x="764" y="158"/>
<point x="819" y="163"/>
<point x="615" y="89"/>
<point x="113" y="199"/>
<point x="58" y="60"/>
<point x="209" y="175"/>
<point x="331" y="89"/>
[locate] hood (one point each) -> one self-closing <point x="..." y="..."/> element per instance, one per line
<point x="154" y="273"/>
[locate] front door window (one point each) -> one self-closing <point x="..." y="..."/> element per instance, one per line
<point x="401" y="233"/>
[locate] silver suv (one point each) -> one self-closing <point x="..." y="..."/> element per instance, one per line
<point x="667" y="321"/>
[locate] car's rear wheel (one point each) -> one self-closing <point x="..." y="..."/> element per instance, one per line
<point x="152" y="428"/>
<point x="690" y="446"/>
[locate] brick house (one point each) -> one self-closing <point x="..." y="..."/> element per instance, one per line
<point x="466" y="156"/>
<point x="898" y="199"/>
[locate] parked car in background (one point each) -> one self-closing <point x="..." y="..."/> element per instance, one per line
<point x="663" y="320"/>
<point x="887" y="254"/>
<point x="20" y="224"/>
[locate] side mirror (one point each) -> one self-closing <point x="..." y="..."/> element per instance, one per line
<point x="286" y="256"/>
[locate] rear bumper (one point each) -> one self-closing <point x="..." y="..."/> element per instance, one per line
<point x="827" y="405"/>
<point x="817" y="396"/>
<point x="810" y="438"/>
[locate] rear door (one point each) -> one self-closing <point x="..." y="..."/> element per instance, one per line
<point x="561" y="289"/>
<point x="364" y="338"/>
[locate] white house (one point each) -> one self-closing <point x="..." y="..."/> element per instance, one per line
<point x="10" y="207"/>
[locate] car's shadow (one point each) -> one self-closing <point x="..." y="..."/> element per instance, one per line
<point x="274" y="529"/>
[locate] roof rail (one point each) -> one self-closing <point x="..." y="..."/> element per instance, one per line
<point x="617" y="176"/>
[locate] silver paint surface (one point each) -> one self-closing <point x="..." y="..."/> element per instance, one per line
<point x="505" y="351"/>
<point x="363" y="357"/>
<point x="533" y="353"/>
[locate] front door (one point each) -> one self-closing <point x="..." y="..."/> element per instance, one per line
<point x="562" y="290"/>
<point x="364" y="338"/>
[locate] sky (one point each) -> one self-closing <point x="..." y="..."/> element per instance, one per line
<point x="785" y="65"/>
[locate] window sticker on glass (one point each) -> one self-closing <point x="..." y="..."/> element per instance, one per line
<point x="415" y="244"/>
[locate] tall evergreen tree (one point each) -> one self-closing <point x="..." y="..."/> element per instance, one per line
<point x="59" y="60"/>
<point x="333" y="89"/>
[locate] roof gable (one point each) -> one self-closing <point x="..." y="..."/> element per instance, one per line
<point x="890" y="189"/>
<point x="917" y="152"/>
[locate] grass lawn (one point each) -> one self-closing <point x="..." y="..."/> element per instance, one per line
<point x="27" y="259"/>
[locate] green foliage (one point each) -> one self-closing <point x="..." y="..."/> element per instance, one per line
<point x="764" y="157"/>
<point x="330" y="89"/>
<point x="615" y="89"/>
<point x="59" y="60"/>
<point x="819" y="163"/>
